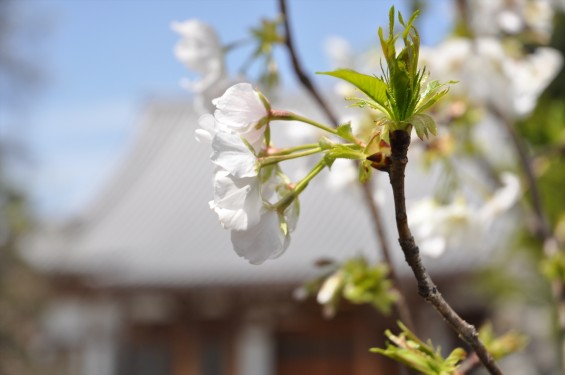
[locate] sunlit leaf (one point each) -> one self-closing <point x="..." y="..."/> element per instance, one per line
<point x="371" y="86"/>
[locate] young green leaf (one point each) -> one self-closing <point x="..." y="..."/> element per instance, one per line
<point x="345" y="132"/>
<point x="409" y="350"/>
<point x="371" y="86"/>
<point x="423" y="124"/>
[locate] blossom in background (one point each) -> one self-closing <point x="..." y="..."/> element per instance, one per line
<point x="489" y="73"/>
<point x="500" y="17"/>
<point x="200" y="51"/>
<point x="502" y="199"/>
<point x="438" y="227"/>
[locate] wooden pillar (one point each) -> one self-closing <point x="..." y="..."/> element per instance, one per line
<point x="185" y="349"/>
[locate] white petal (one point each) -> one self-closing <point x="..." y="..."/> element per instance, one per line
<point x="329" y="288"/>
<point x="230" y="153"/>
<point x="239" y="110"/>
<point x="263" y="241"/>
<point x="433" y="247"/>
<point x="237" y="201"/>
<point x="503" y="199"/>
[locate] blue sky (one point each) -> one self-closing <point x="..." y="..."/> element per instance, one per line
<point x="105" y="58"/>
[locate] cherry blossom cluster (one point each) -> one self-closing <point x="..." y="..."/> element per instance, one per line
<point x="253" y="198"/>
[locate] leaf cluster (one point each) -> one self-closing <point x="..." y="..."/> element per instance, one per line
<point x="409" y="350"/>
<point x="402" y="93"/>
<point x="266" y="36"/>
<point x="504" y="345"/>
<point x="357" y="282"/>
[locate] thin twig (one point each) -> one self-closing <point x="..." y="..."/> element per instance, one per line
<point x="303" y="77"/>
<point x="400" y="140"/>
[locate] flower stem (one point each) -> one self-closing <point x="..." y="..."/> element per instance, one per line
<point x="291" y="150"/>
<point x="290" y="116"/>
<point x="269" y="160"/>
<point x="299" y="187"/>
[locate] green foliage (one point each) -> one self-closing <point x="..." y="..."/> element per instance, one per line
<point x="408" y="349"/>
<point x="402" y="93"/>
<point x="504" y="345"/>
<point x="366" y="284"/>
<point x="345" y="132"/>
<point x="356" y="282"/>
<point x="554" y="267"/>
<point x="266" y="37"/>
<point x="375" y="88"/>
<point x="423" y="124"/>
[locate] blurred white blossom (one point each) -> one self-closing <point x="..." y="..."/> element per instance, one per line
<point x="329" y="288"/>
<point x="488" y="73"/>
<point x="438" y="227"/>
<point x="502" y="199"/>
<point x="499" y="17"/>
<point x="200" y="51"/>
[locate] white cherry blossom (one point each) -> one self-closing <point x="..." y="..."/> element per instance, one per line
<point x="503" y="198"/>
<point x="437" y="227"/>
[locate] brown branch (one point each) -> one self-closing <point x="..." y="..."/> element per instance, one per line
<point x="400" y="140"/>
<point x="303" y="77"/>
<point x="401" y="306"/>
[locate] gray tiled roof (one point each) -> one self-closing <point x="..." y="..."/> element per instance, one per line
<point x="152" y="225"/>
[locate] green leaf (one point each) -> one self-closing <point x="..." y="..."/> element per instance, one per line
<point x="409" y="350"/>
<point x="423" y="124"/>
<point x="504" y="345"/>
<point x="371" y="86"/>
<point x="362" y="103"/>
<point x="345" y="132"/>
<point x="432" y="94"/>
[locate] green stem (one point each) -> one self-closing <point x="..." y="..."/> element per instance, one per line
<point x="290" y="116"/>
<point x="291" y="150"/>
<point x="269" y="160"/>
<point x="300" y="186"/>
